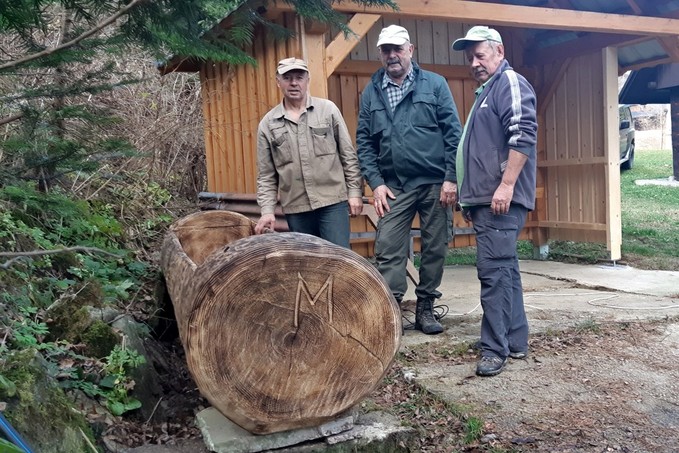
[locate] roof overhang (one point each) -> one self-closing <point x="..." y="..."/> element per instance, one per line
<point x="646" y="32"/>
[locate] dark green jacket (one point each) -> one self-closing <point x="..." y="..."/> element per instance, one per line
<point x="414" y="145"/>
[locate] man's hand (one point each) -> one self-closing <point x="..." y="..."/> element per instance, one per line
<point x="265" y="224"/>
<point x="502" y="198"/>
<point x="381" y="194"/>
<point x="448" y="194"/>
<point x="355" y="206"/>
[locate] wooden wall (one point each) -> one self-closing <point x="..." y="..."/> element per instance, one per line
<point x="234" y="101"/>
<point x="578" y="157"/>
<point x="574" y="104"/>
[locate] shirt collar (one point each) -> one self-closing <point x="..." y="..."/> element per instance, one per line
<point x="279" y="110"/>
<point x="386" y="80"/>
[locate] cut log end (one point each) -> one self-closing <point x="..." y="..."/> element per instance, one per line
<point x="286" y="330"/>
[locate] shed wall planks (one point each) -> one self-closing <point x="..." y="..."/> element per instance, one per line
<point x="572" y="154"/>
<point x="576" y="158"/>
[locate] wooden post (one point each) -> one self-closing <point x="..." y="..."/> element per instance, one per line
<point x="611" y="143"/>
<point x="674" y="112"/>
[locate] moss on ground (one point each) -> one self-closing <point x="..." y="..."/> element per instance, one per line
<point x="99" y="339"/>
<point x="39" y="409"/>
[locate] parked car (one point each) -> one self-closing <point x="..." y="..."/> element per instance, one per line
<point x="626" y="137"/>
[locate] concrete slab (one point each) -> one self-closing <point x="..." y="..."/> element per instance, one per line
<point x="373" y="432"/>
<point x="557" y="296"/>
<point x="223" y="436"/>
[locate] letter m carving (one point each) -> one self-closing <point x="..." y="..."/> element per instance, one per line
<point x="303" y="289"/>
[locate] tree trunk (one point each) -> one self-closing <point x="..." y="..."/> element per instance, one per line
<point x="282" y="330"/>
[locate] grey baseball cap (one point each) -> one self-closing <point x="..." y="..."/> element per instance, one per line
<point x="476" y="34"/>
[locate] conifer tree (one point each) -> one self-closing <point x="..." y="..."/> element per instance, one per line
<point x="55" y="55"/>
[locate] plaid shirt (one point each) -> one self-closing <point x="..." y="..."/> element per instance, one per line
<point x="395" y="92"/>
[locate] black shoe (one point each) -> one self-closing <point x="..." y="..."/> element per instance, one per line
<point x="490" y="365"/>
<point x="425" y="319"/>
<point x="518" y="354"/>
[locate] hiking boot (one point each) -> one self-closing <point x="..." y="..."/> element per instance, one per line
<point x="518" y="354"/>
<point x="490" y="365"/>
<point x="424" y="317"/>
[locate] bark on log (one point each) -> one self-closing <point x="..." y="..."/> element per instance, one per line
<point x="282" y="330"/>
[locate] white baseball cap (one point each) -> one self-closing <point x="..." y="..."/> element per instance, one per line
<point x="393" y="34"/>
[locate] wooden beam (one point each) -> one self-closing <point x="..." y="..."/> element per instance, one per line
<point x="313" y="50"/>
<point x="612" y="153"/>
<point x="572" y="225"/>
<point x="546" y="93"/>
<point x="645" y="64"/>
<point x="635" y="7"/>
<point x="674" y="117"/>
<point x="671" y="46"/>
<point x="580" y="46"/>
<point x="518" y="16"/>
<point x="342" y="46"/>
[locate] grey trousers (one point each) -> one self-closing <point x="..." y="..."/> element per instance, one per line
<point x="393" y="234"/>
<point x="504" y="326"/>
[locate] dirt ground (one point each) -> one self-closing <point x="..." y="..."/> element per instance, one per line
<point x="654" y="139"/>
<point x="604" y="387"/>
<point x="602" y="374"/>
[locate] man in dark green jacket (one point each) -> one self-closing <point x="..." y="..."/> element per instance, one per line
<point x="407" y="138"/>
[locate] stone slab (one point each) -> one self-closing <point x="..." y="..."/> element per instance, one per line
<point x="223" y="436"/>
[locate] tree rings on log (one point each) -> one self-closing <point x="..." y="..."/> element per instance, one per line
<point x="282" y="330"/>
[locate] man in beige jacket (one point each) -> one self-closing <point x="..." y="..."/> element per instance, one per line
<point x="306" y="159"/>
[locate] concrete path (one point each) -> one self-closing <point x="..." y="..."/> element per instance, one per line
<point x="553" y="292"/>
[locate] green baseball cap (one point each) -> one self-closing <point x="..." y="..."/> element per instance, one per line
<point x="477" y="34"/>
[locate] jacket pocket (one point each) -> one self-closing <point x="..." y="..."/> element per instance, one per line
<point x="281" y="149"/>
<point x="378" y="118"/>
<point x="323" y="140"/>
<point x="423" y="113"/>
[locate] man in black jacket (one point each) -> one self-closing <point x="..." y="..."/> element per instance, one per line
<point x="496" y="170"/>
<point x="407" y="137"/>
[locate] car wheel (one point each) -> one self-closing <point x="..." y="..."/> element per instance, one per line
<point x="629" y="163"/>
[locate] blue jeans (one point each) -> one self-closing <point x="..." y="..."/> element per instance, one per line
<point x="329" y="222"/>
<point x="504" y="326"/>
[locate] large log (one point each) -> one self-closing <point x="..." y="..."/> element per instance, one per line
<point x="282" y="330"/>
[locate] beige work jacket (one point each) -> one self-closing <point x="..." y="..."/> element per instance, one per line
<point x="310" y="163"/>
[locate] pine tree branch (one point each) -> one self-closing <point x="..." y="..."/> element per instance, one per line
<point x="15" y="256"/>
<point x="9" y="119"/>
<point x="101" y="25"/>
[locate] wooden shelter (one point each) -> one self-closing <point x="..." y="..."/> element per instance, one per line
<point x="572" y="51"/>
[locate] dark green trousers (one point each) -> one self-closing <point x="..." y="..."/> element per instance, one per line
<point x="393" y="240"/>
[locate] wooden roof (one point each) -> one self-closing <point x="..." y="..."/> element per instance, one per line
<point x="646" y="32"/>
<point x="650" y="85"/>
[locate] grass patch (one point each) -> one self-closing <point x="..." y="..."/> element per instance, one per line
<point x="650" y="214"/>
<point x="650" y="220"/>
<point x="588" y="325"/>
